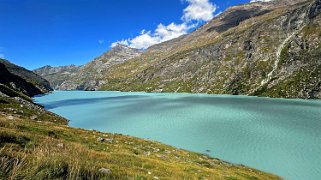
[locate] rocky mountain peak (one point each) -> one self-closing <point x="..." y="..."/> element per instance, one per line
<point x="120" y="47"/>
<point x="87" y="77"/>
<point x="119" y="53"/>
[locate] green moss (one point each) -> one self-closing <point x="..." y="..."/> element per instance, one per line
<point x="284" y="54"/>
<point x="227" y="59"/>
<point x="266" y="49"/>
<point x="311" y="29"/>
<point x="291" y="87"/>
<point x="264" y="67"/>
<point x="240" y="55"/>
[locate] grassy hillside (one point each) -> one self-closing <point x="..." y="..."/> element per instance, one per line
<point x="36" y="144"/>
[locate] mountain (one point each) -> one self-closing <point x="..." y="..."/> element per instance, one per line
<point x="37" y="144"/>
<point x="88" y="76"/>
<point x="22" y="80"/>
<point x="264" y="49"/>
<point x="57" y="75"/>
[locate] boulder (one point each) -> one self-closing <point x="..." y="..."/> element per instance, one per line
<point x="105" y="171"/>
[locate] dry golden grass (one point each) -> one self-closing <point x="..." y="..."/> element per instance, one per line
<point x="46" y="150"/>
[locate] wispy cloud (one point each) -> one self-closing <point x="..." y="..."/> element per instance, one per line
<point x="200" y="10"/>
<point x="196" y="11"/>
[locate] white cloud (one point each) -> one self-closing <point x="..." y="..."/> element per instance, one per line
<point x="171" y="31"/>
<point x="144" y="40"/>
<point x="161" y="34"/>
<point x="261" y="0"/>
<point x="197" y="10"/>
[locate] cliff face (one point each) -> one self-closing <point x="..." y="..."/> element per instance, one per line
<point x="272" y="49"/>
<point x="21" y="80"/>
<point x="88" y="76"/>
<point x="58" y="75"/>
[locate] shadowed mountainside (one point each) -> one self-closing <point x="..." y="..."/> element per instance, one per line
<point x="22" y="80"/>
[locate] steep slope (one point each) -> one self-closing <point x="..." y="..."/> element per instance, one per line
<point x="22" y="80"/>
<point x="89" y="76"/>
<point x="266" y="49"/>
<point x="57" y="75"/>
<point x="37" y="144"/>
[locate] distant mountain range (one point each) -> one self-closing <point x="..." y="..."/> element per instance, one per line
<point x="89" y="76"/>
<point x="264" y="49"/>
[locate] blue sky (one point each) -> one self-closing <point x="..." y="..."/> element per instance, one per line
<point x="34" y="33"/>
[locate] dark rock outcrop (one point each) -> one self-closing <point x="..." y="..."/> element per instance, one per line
<point x="315" y="9"/>
<point x="16" y="83"/>
<point x="40" y="85"/>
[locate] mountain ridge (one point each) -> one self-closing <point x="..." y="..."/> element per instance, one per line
<point x="86" y="77"/>
<point x="246" y="51"/>
<point x="23" y="80"/>
<point x="262" y="49"/>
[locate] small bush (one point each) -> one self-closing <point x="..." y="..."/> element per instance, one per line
<point x="12" y="138"/>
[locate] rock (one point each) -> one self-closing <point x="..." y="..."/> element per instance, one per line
<point x="315" y="9"/>
<point x="100" y="139"/>
<point x="149" y="172"/>
<point x="147" y="153"/>
<point x="33" y="117"/>
<point x="3" y="95"/>
<point x="155" y="177"/>
<point x="156" y="150"/>
<point x="110" y="140"/>
<point x="10" y="117"/>
<point x="60" y="145"/>
<point x="105" y="171"/>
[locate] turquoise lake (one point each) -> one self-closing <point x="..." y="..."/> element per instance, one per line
<point x="274" y="135"/>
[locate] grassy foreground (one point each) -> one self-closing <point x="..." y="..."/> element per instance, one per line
<point x="36" y="144"/>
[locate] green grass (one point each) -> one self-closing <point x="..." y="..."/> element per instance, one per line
<point x="46" y="148"/>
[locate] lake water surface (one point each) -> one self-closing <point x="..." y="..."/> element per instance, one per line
<point x="274" y="135"/>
